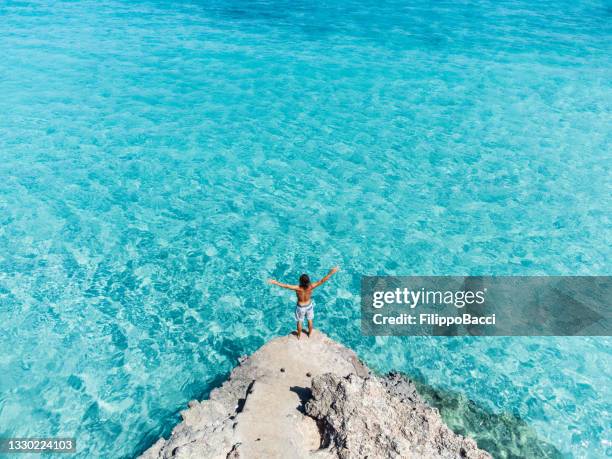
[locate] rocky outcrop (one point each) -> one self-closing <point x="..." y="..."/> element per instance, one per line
<point x="370" y="417"/>
<point x="311" y="398"/>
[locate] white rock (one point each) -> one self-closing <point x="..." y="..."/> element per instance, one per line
<point x="341" y="410"/>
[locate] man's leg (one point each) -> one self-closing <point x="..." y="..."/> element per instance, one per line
<point x="309" y="328"/>
<point x="299" y="328"/>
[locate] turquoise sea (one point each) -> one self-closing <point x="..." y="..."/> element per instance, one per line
<point x="160" y="159"/>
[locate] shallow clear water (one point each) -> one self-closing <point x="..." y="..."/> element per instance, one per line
<point x="159" y="160"/>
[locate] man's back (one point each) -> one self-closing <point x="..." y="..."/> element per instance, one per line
<point x="304" y="295"/>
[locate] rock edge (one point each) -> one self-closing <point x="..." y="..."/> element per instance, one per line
<point x="311" y="398"/>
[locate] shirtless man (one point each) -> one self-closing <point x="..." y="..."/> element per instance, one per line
<point x="305" y="304"/>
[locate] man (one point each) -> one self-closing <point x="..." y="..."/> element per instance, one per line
<point x="305" y="305"/>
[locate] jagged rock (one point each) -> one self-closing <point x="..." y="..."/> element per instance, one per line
<point x="325" y="404"/>
<point x="382" y="418"/>
<point x="398" y="386"/>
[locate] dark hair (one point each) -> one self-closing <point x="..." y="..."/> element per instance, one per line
<point x="304" y="281"/>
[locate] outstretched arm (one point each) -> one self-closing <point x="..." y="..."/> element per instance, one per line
<point x="331" y="272"/>
<point x="280" y="284"/>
